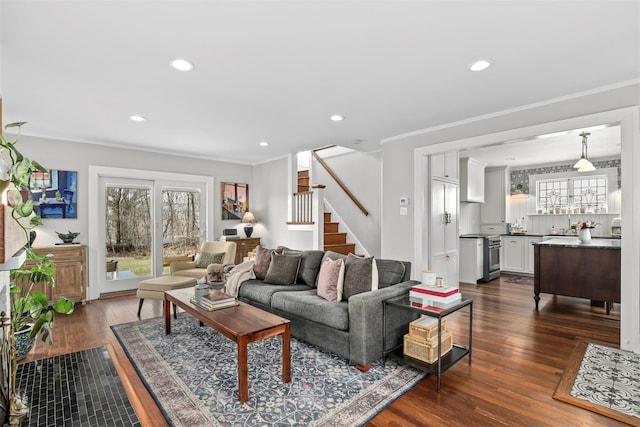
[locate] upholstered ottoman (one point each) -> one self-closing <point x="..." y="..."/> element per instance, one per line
<point x="154" y="288"/>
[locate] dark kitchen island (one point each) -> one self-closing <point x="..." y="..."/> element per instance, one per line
<point x="567" y="267"/>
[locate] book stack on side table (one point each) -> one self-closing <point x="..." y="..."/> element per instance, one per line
<point x="436" y="298"/>
<point x="214" y="301"/>
<point x="422" y="340"/>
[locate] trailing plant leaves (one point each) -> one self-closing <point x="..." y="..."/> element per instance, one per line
<point x="40" y="298"/>
<point x="24" y="209"/>
<point x="14" y="125"/>
<point x="63" y="306"/>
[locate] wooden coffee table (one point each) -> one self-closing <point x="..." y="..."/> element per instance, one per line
<point x="242" y="324"/>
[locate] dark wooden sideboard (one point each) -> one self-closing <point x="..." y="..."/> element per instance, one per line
<point x="583" y="271"/>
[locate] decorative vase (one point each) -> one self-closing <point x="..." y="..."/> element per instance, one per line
<point x="584" y="235"/>
<point x="24" y="344"/>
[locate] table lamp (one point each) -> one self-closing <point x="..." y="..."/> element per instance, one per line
<point x="248" y="218"/>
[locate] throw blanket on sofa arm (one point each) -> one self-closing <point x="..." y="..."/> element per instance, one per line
<point x="237" y="275"/>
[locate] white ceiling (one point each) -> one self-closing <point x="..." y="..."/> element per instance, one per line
<point x="603" y="142"/>
<point x="275" y="71"/>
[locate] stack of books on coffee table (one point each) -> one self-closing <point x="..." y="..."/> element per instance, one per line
<point x="436" y="298"/>
<point x="213" y="301"/>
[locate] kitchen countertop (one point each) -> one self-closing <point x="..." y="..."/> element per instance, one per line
<point x="574" y="242"/>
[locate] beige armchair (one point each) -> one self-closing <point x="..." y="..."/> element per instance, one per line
<point x="189" y="269"/>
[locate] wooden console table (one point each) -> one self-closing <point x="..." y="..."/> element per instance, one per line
<point x="70" y="275"/>
<point x="244" y="246"/>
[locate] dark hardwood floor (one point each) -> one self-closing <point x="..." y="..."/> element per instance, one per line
<point x="518" y="358"/>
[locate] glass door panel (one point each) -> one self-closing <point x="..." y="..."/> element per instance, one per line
<point x="180" y="226"/>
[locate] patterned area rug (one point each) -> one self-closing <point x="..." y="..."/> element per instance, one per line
<point x="192" y="374"/>
<point x="603" y="379"/>
<point x="526" y="280"/>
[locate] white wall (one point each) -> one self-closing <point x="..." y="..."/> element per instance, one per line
<point x="361" y="173"/>
<point x="269" y="198"/>
<point x="64" y="155"/>
<point x="469" y="218"/>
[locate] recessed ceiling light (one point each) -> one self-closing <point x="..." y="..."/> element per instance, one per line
<point x="264" y="144"/>
<point x="510" y="158"/>
<point x="181" y="64"/>
<point x="137" y="118"/>
<point x="337" y="118"/>
<point x="480" y="65"/>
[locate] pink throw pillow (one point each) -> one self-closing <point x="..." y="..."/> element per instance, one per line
<point x="330" y="279"/>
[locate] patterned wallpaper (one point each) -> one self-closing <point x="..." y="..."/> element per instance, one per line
<point x="522" y="176"/>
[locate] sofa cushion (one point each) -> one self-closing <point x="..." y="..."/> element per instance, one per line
<point x="255" y="290"/>
<point x="203" y="259"/>
<point x="390" y="272"/>
<point x="360" y="275"/>
<point x="309" y="265"/>
<point x="333" y="256"/>
<point x="283" y="269"/>
<point x="330" y="278"/>
<point x="308" y="305"/>
<point x="263" y="260"/>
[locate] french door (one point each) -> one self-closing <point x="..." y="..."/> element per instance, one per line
<point x="142" y="225"/>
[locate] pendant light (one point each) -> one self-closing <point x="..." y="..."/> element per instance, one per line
<point x="584" y="165"/>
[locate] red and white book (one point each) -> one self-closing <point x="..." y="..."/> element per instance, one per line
<point x="434" y="299"/>
<point x="440" y="291"/>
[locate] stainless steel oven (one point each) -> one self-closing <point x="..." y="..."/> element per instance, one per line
<point x="491" y="258"/>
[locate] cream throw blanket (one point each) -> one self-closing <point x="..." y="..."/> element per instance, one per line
<point x="237" y="275"/>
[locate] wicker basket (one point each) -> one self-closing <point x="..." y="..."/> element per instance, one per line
<point x="426" y="328"/>
<point x="427" y="351"/>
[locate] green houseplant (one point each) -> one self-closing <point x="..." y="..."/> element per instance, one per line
<point x="30" y="308"/>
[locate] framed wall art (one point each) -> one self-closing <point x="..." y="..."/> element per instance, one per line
<point x="54" y="193"/>
<point x="235" y="200"/>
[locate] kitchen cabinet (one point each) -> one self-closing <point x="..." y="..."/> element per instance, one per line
<point x="530" y="253"/>
<point x="471" y="258"/>
<point x="472" y="180"/>
<point x="517" y="253"/>
<point x="493" y="210"/>
<point x="443" y="231"/>
<point x="70" y="272"/>
<point x="445" y="166"/>
<point x="513" y="254"/>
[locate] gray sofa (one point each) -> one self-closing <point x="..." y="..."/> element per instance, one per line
<point x="353" y="328"/>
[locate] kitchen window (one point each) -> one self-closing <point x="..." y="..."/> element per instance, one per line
<point x="572" y="195"/>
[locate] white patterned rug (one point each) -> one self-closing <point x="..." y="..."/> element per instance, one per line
<point x="192" y="374"/>
<point x="606" y="381"/>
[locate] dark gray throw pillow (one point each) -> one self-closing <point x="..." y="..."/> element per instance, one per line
<point x="359" y="276"/>
<point x="283" y="269"/>
<point x="263" y="260"/>
<point x="309" y="265"/>
<point x="203" y="259"/>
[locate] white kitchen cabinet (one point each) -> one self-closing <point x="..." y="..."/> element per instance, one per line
<point x="513" y="254"/>
<point x="529" y="258"/>
<point x="472" y="180"/>
<point x="471" y="257"/>
<point x="445" y="166"/>
<point x="443" y="230"/>
<point x="493" y="210"/>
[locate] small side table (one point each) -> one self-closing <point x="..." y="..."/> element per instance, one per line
<point x="444" y="362"/>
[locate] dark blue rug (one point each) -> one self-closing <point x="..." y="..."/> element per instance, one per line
<point x="192" y="374"/>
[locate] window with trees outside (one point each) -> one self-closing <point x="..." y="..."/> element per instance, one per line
<point x="572" y="195"/>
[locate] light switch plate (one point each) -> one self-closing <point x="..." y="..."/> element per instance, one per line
<point x="403" y="210"/>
